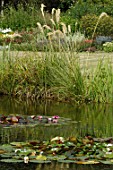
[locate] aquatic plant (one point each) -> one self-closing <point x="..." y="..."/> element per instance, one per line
<point x="87" y="150"/>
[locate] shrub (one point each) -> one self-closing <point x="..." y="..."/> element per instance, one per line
<point x="81" y="9"/>
<point x="108" y="47"/>
<point x="68" y="20"/>
<point x="21" y="19"/>
<point x="102" y="26"/>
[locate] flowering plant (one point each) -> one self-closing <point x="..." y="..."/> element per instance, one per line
<point x="7" y="36"/>
<point x="108" y="47"/>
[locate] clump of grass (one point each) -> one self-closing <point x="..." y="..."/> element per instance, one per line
<point x="56" y="76"/>
<point x="100" y="87"/>
<point x="58" y="33"/>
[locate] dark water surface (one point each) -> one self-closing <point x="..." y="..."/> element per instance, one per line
<point x="93" y="119"/>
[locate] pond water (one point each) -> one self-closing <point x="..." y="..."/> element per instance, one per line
<point x="93" y="119"/>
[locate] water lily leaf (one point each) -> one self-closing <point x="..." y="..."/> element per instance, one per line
<point x="73" y="139"/>
<point x="41" y="158"/>
<point x="61" y="157"/>
<point x="19" y="144"/>
<point x="107" y="162"/>
<point x="39" y="161"/>
<point x="2" y="151"/>
<point x="82" y="158"/>
<point x="88" y="162"/>
<point x="11" y="160"/>
<point x="25" y="152"/>
<point x="66" y="161"/>
<point x="6" y="147"/>
<point x="7" y="155"/>
<point x="110" y="156"/>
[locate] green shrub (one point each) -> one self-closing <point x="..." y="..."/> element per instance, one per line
<point x="21" y="19"/>
<point x="81" y="9"/>
<point x="68" y="20"/>
<point x="108" y="47"/>
<point x="101" y="26"/>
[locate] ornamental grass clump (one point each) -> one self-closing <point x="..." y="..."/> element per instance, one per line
<point x="58" y="35"/>
<point x="100" y="83"/>
<point x="56" y="76"/>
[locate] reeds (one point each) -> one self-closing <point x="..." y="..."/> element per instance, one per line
<point x="56" y="76"/>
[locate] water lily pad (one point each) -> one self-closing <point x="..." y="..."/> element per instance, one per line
<point x="2" y="151"/>
<point x="39" y="161"/>
<point x="107" y="162"/>
<point x="88" y="162"/>
<point x="66" y="161"/>
<point x="41" y="158"/>
<point x="19" y="144"/>
<point x="7" y="155"/>
<point x="57" y="157"/>
<point x="110" y="156"/>
<point x="11" y="160"/>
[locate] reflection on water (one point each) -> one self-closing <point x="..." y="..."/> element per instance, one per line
<point x="54" y="166"/>
<point x="91" y="119"/>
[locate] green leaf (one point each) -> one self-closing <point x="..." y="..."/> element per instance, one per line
<point x="39" y="161"/>
<point x="66" y="161"/>
<point x="11" y="160"/>
<point x="41" y="158"/>
<point x="107" y="162"/>
<point x="110" y="156"/>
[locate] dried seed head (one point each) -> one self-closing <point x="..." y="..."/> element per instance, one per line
<point x="53" y="11"/>
<point x="53" y="22"/>
<point x="57" y="15"/>
<point x="64" y="28"/>
<point x="47" y="27"/>
<point x="103" y="14"/>
<point x="40" y="27"/>
<point x="69" y="28"/>
<point x="42" y="9"/>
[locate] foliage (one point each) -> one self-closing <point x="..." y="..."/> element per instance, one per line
<point x="100" y="88"/>
<point x="103" y="25"/>
<point x="68" y="20"/>
<point x="21" y="19"/>
<point x="55" y="76"/>
<point x="33" y="120"/>
<point x="108" y="47"/>
<point x="85" y="150"/>
<point x="80" y="9"/>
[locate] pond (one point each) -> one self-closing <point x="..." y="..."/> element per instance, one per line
<point x="92" y="119"/>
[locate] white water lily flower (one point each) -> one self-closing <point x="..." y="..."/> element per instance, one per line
<point x="108" y="153"/>
<point x="58" y="138"/>
<point x="16" y="150"/>
<point x="26" y="159"/>
<point x="108" y="149"/>
<point x="54" y="149"/>
<point x="108" y="145"/>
